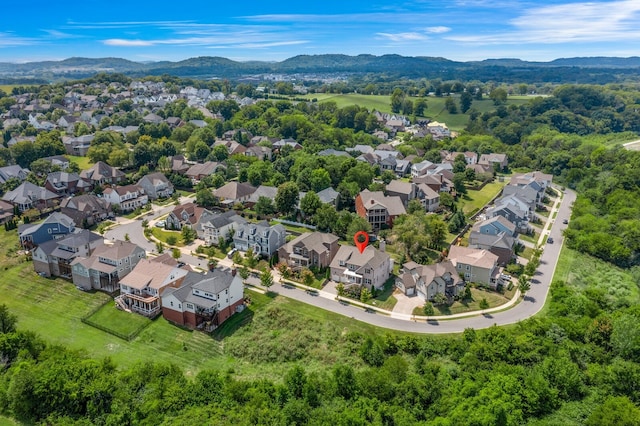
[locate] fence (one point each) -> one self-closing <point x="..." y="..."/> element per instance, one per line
<point x="126" y="337"/>
<point x="292" y="223"/>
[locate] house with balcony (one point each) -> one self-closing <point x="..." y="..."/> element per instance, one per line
<point x="56" y="225"/>
<point x="314" y="249"/>
<point x="495" y="161"/>
<point x="543" y="179"/>
<point x="370" y="269"/>
<point x="204" y="302"/>
<point x="127" y="198"/>
<point x="54" y="257"/>
<point x="429" y="198"/>
<point x="213" y="227"/>
<point x="379" y="210"/>
<point x="501" y="244"/>
<point x="156" y="185"/>
<point x="29" y="196"/>
<point x="264" y="240"/>
<point x="141" y="289"/>
<point x="407" y="191"/>
<point x="234" y="192"/>
<point x="63" y="183"/>
<point x="106" y="266"/>
<point x="476" y="265"/>
<point x="427" y="281"/>
<point x="13" y="171"/>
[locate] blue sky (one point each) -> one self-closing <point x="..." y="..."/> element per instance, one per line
<point x="275" y="30"/>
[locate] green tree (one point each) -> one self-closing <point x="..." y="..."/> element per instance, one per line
<point x="365" y="295"/>
<point x="310" y="203"/>
<point x="325" y="217"/>
<point x="287" y="198"/>
<point x="205" y="198"/>
<point x="484" y="304"/>
<point x="8" y="320"/>
<point x="465" y="101"/>
<point x="450" y="105"/>
<point x="428" y="310"/>
<point x="244" y="273"/>
<point x="498" y="96"/>
<point x="419" y="105"/>
<point x="264" y="206"/>
<point x="176" y="253"/>
<point x="397" y="100"/>
<point x="188" y="235"/>
<point x="266" y="278"/>
<point x="307" y="277"/>
<point x="340" y="289"/>
<point x="616" y="410"/>
<point x="524" y="284"/>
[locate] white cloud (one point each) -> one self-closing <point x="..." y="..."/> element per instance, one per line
<point x="403" y="37"/>
<point x="10" y="40"/>
<point x="127" y="43"/>
<point x="437" y="30"/>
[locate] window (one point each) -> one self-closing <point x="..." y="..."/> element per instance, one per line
<point x="468" y="268"/>
<point x="189" y="306"/>
<point x="367" y="271"/>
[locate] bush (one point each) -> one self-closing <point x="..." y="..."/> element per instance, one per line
<point x="172" y="240"/>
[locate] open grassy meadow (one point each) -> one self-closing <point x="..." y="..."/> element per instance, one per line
<point x="435" y="105"/>
<point x="82" y="162"/>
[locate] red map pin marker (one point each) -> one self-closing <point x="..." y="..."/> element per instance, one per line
<point x="361" y="239"/>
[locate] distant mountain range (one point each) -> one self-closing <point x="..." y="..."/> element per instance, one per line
<point x="586" y="70"/>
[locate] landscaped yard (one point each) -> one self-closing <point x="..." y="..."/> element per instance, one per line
<point x="385" y="299"/>
<point x="119" y="322"/>
<point x="493" y="298"/>
<point x="82" y="162"/>
<point x="473" y="201"/>
<point x="163" y="234"/>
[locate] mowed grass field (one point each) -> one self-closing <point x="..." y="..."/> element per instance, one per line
<point x="83" y="162"/>
<point x="435" y="105"/>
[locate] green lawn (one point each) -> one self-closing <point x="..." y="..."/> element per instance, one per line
<point x="385" y="299"/>
<point x="120" y="322"/>
<point x="493" y="298"/>
<point x="162" y="235"/>
<point x="82" y="162"/>
<point x="475" y="200"/>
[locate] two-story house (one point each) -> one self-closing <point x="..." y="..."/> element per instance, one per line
<point x="141" y="289"/>
<point x="476" y="265"/>
<point x="370" y="269"/>
<point x="234" y="192"/>
<point x="407" y="191"/>
<point x="429" y="198"/>
<point x="54" y="226"/>
<point x="494" y="226"/>
<point x="106" y="266"/>
<point x="204" y="301"/>
<point x="264" y="240"/>
<point x="379" y="210"/>
<point x="64" y="183"/>
<point x="185" y="215"/>
<point x="502" y="245"/>
<point x="426" y="281"/>
<point x="156" y="185"/>
<point x="54" y="257"/>
<point x="496" y="161"/>
<point x="101" y="173"/>
<point x="13" y="171"/>
<point x="310" y="249"/>
<point x="127" y="198"/>
<point x="214" y="227"/>
<point x="86" y="209"/>
<point x="29" y="196"/>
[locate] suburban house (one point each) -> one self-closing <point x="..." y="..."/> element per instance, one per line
<point x="532" y="193"/>
<point x="200" y="170"/>
<point x="63" y="183"/>
<point x="86" y="209"/>
<point x="29" y="196"/>
<point x="496" y="161"/>
<point x="54" y="257"/>
<point x="140" y="290"/>
<point x="494" y="226"/>
<point x="204" y="301"/>
<point x="261" y="191"/>
<point x="13" y="171"/>
<point x="407" y="191"/>
<point x="179" y="164"/>
<point x="234" y="192"/>
<point x="6" y="211"/>
<point x="213" y="227"/>
<point x="502" y="245"/>
<point x="371" y="268"/>
<point x="450" y="157"/>
<point x="78" y="146"/>
<point x="315" y="249"/>
<point x="523" y="178"/>
<point x="156" y="185"/>
<point x="429" y="198"/>
<point x="378" y="209"/>
<point x="476" y="265"/>
<point x="127" y="198"/>
<point x="185" y="215"/>
<point x="101" y="173"/>
<point x="106" y="266"/>
<point x="329" y="196"/>
<point x="426" y="281"/>
<point x="264" y="240"/>
<point x="58" y="161"/>
<point x="421" y="168"/>
<point x="54" y="226"/>
<point x="512" y="213"/>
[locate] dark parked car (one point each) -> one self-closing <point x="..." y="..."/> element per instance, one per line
<point x="565" y="221"/>
<point x="550" y="240"/>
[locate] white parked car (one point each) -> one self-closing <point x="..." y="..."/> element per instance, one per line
<point x="160" y="224"/>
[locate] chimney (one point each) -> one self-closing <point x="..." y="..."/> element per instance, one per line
<point x="372" y="202"/>
<point x="382" y="245"/>
<point x="233" y="272"/>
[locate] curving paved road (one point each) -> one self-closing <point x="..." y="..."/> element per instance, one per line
<point x="532" y="303"/>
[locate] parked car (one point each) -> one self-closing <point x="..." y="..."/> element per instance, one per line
<point x="565" y="221"/>
<point x="231" y="253"/>
<point x="505" y="276"/>
<point x="550" y="240"/>
<point x="160" y="224"/>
